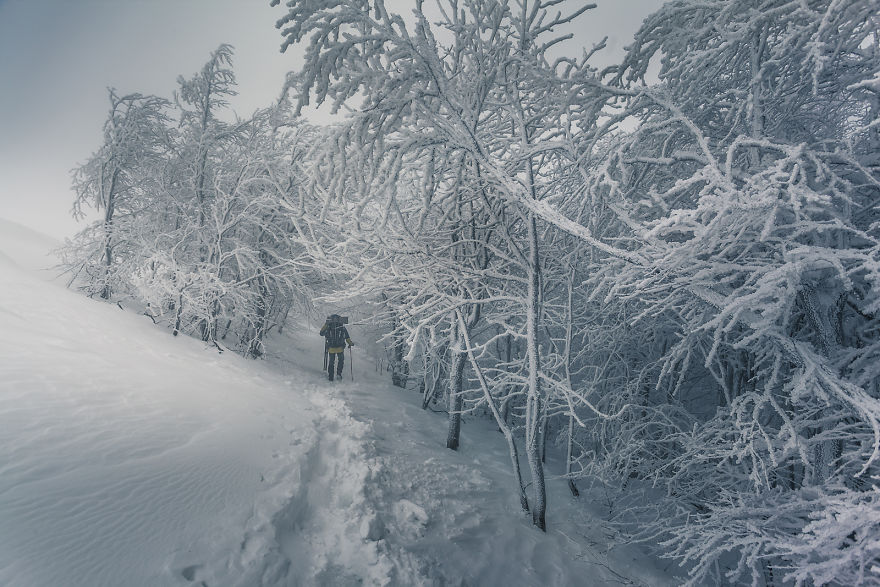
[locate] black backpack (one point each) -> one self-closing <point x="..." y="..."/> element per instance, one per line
<point x="336" y="335"/>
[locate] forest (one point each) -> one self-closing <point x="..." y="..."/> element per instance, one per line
<point x="665" y="270"/>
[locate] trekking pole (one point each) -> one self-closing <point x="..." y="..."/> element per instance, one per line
<point x="350" y="363"/>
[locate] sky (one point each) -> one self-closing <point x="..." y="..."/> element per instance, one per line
<point x="58" y="57"/>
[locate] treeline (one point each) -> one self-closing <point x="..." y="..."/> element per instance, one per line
<point x="199" y="211"/>
<point x="673" y="280"/>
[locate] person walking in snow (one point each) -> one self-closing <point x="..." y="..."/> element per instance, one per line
<point x="336" y="337"/>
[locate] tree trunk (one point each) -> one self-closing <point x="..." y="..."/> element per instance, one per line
<point x="178" y="315"/>
<point x="534" y="405"/>
<point x="109" y="208"/>
<point x="568" y="453"/>
<point x="456" y="378"/>
<point x="545" y="424"/>
<point x="505" y="403"/>
<point x="569" y="329"/>
<point x="505" y="429"/>
<point x="255" y="345"/>
<point x="456" y="400"/>
<point x="399" y="365"/>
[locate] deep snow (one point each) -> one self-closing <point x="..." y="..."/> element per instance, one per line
<point x="131" y="457"/>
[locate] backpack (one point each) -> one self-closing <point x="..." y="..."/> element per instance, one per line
<point x="336" y="335"/>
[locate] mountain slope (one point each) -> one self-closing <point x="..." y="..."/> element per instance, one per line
<point x="131" y="457"/>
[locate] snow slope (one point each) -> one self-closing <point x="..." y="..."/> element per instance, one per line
<point x="131" y="457"/>
<point x="25" y="248"/>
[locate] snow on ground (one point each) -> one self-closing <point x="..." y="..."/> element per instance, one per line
<point x="26" y="249"/>
<point x="453" y="518"/>
<point x="131" y="457"/>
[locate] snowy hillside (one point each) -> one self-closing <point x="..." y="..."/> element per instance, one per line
<point x="26" y="249"/>
<point x="131" y="457"/>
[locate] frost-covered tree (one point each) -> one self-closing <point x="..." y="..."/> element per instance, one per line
<point x="748" y="190"/>
<point x="708" y="319"/>
<point x="199" y="211"/>
<point x="118" y="180"/>
<point x="479" y="87"/>
<point x="234" y="263"/>
<point x="200" y="187"/>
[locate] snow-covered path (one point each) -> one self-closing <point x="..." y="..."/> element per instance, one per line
<point x="442" y="517"/>
<point x="131" y="457"/>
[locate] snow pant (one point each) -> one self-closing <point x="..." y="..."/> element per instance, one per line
<point x="331" y="359"/>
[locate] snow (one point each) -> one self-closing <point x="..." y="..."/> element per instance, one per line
<point x="132" y="457"/>
<point x="458" y="512"/>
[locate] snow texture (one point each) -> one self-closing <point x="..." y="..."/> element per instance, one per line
<point x="131" y="457"/>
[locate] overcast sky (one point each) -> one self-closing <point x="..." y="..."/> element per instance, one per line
<point x="57" y="57"/>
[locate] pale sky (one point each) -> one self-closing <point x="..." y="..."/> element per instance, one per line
<point x="57" y="57"/>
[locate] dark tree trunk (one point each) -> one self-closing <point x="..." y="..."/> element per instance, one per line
<point x="456" y="400"/>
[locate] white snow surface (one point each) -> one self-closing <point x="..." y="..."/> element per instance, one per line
<point x="131" y="457"/>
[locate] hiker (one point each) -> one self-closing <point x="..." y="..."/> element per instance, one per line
<point x="336" y="337"/>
